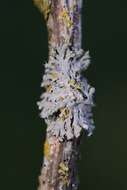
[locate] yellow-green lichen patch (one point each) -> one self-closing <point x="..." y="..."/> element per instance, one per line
<point x="54" y="75"/>
<point x="67" y="19"/>
<point x="47" y="150"/>
<point x="49" y="88"/>
<point x="63" y="167"/>
<point x="64" y="173"/>
<point x="44" y="6"/>
<point x="64" y="113"/>
<point x="74" y="84"/>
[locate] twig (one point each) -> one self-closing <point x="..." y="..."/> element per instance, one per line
<point x="67" y="102"/>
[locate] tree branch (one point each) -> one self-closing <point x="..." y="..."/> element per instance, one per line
<point x="67" y="102"/>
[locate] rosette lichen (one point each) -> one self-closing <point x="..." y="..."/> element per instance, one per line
<point x="66" y="105"/>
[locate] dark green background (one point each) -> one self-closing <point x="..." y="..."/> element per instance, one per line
<point x="103" y="164"/>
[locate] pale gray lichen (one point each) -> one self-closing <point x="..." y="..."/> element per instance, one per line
<point x="67" y="103"/>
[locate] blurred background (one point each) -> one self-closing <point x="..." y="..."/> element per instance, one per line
<point x="23" y="41"/>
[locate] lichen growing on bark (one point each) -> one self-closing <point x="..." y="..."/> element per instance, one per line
<point x="44" y="6"/>
<point x="67" y="103"/>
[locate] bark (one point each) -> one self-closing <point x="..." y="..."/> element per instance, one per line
<point x="63" y="18"/>
<point x="59" y="168"/>
<point x="59" y="171"/>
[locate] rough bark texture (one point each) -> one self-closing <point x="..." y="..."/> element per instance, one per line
<point x="63" y="19"/>
<point x="59" y="171"/>
<point x="59" y="168"/>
